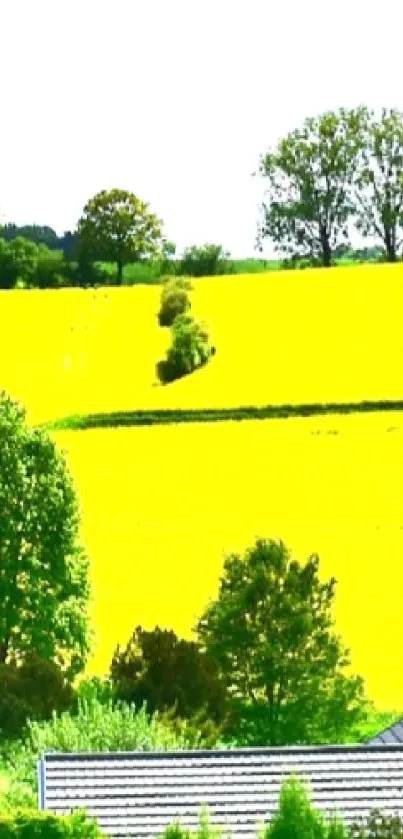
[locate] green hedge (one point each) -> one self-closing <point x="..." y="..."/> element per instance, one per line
<point x="33" y="824"/>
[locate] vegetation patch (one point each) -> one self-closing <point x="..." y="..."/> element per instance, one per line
<point x="115" y="419"/>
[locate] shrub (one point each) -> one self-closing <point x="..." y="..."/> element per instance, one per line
<point x="378" y="825"/>
<point x="205" y="829"/>
<point x="205" y="261"/>
<point x="100" y="725"/>
<point x="174" y="300"/>
<point x="189" y="350"/>
<point x="32" y="689"/>
<point x="86" y="274"/>
<point x="51" y="269"/>
<point x="297" y="818"/>
<point x="33" y="824"/>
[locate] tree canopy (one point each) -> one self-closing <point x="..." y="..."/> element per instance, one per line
<point x="308" y="176"/>
<point x="119" y="227"/>
<point x="379" y="181"/>
<point x="271" y="632"/>
<point x="44" y="587"/>
<point x="165" y="671"/>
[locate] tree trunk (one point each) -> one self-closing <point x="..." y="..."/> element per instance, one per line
<point x="326" y="249"/>
<point x="119" y="263"/>
<point x="390" y="246"/>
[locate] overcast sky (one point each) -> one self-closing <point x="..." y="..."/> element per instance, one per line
<point x="175" y="100"/>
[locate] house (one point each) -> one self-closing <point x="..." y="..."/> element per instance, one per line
<point x="392" y="734"/>
<point x="138" y="794"/>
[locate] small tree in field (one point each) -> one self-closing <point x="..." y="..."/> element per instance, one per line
<point x="174" y="299"/>
<point x="271" y="632"/>
<point x="205" y="261"/>
<point x="189" y="350"/>
<point x="118" y="227"/>
<point x="44" y="588"/>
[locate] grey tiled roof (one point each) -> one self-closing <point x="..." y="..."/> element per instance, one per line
<point x="138" y="793"/>
<point x="393" y="734"/>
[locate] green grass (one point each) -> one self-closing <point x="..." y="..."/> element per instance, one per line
<point x="115" y="419"/>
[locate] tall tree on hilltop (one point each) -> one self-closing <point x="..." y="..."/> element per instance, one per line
<point x="118" y="227"/>
<point x="270" y="631"/>
<point x="308" y="199"/>
<point x="44" y="587"/>
<point x="379" y="181"/>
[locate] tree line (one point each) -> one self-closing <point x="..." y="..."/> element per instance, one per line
<point x="340" y="171"/>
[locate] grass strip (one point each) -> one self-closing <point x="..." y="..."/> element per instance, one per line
<point x="117" y="419"/>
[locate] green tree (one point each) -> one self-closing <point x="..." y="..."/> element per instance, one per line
<point x="165" y="671"/>
<point x="308" y="200"/>
<point x="174" y="299"/>
<point x="379" y="182"/>
<point x="32" y="689"/>
<point x="270" y="631"/>
<point x="205" y="261"/>
<point x="297" y="817"/>
<point x="189" y="350"/>
<point x="44" y="587"/>
<point x="117" y="226"/>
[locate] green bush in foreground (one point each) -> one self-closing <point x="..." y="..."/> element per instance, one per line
<point x="98" y="725"/>
<point x="377" y="825"/>
<point x="189" y="350"/>
<point x="174" y="299"/>
<point x="296" y="818"/>
<point x="205" y="829"/>
<point x="31" y="824"/>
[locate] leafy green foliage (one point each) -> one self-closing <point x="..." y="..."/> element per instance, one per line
<point x="296" y="818"/>
<point x="174" y="299"/>
<point x="98" y="724"/>
<point x="118" y="226"/>
<point x="166" y="672"/>
<point x="32" y="689"/>
<point x="34" y="824"/>
<point x="44" y="586"/>
<point x="189" y="350"/>
<point x="379" y="181"/>
<point x="377" y="825"/>
<point x="86" y="274"/>
<point x="37" y="233"/>
<point x="309" y="176"/>
<point x="28" y="265"/>
<point x="205" y="830"/>
<point x="271" y="632"/>
<point x="205" y="261"/>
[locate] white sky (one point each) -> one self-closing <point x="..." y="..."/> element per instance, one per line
<point x="175" y="100"/>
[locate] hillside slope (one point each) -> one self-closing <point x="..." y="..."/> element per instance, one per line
<point x="289" y="337"/>
<point x="162" y="505"/>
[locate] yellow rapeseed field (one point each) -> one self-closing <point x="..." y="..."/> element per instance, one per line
<point x="161" y="505"/>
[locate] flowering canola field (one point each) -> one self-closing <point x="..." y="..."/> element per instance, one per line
<point x="161" y="505"/>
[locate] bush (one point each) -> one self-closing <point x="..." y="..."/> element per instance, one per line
<point x="189" y="350"/>
<point x="32" y="689"/>
<point x="51" y="270"/>
<point x="33" y="824"/>
<point x="100" y="725"/>
<point x="296" y="818"/>
<point x="174" y="299"/>
<point x="378" y="825"/>
<point x="205" y="829"/>
<point x="205" y="261"/>
<point x="86" y="274"/>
